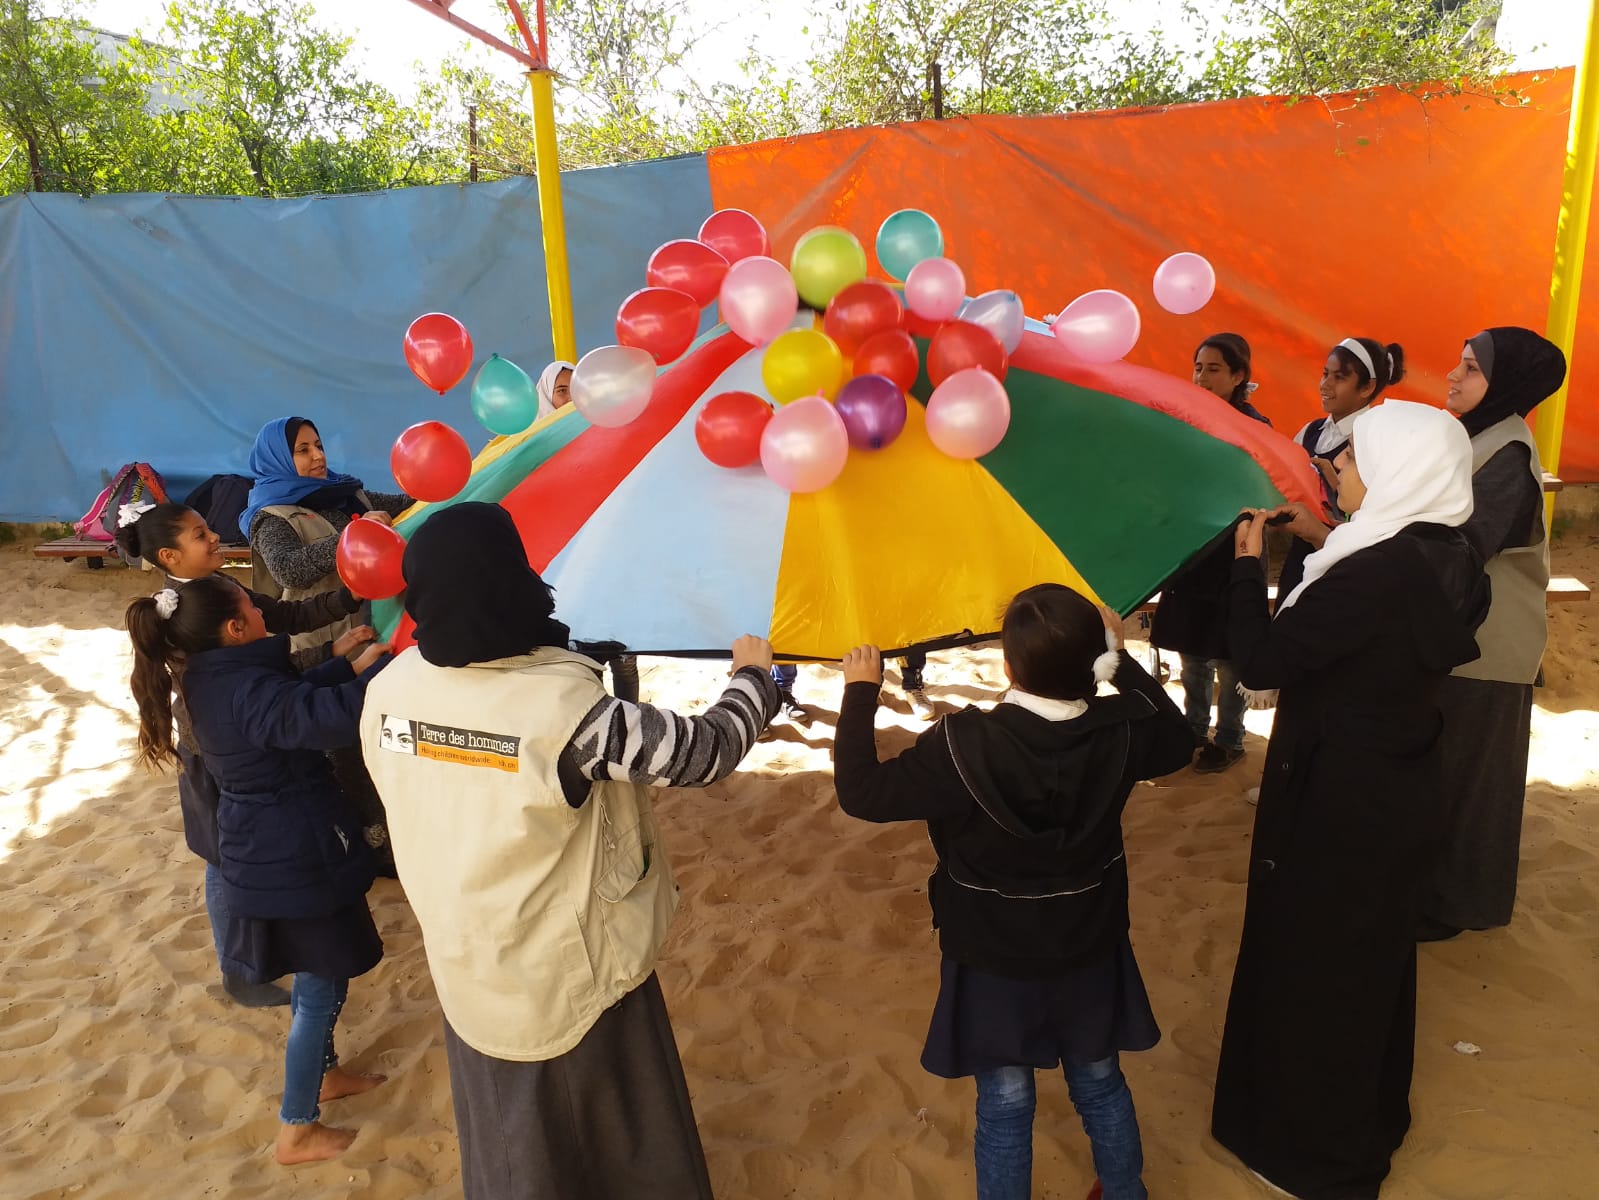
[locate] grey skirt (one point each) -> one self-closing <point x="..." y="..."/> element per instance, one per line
<point x="610" y="1118"/>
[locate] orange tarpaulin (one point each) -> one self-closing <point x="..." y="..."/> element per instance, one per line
<point x="1389" y="217"/>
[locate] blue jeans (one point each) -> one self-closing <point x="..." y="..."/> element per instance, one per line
<point x="216" y="907"/>
<point x="1198" y="675"/>
<point x="1006" y="1098"/>
<point x="784" y="675"/>
<point x="314" y="1004"/>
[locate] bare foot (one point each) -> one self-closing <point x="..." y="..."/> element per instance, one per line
<point x="315" y="1142"/>
<point x="337" y="1083"/>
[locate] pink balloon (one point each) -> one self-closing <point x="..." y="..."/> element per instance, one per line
<point x="1099" y="326"/>
<point x="1184" y="283"/>
<point x="968" y="414"/>
<point x="804" y="445"/>
<point x="935" y="289"/>
<point x="758" y="299"/>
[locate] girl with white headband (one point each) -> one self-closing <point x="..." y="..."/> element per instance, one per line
<point x="1313" y="1084"/>
<point x="1357" y="372"/>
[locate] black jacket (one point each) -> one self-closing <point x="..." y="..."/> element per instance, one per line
<point x="1025" y="814"/>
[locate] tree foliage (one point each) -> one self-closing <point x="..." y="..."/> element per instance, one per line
<point x="268" y="102"/>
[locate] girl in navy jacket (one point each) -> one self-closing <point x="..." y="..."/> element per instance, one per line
<point x="295" y="869"/>
<point x="1023" y="804"/>
<point x="175" y="538"/>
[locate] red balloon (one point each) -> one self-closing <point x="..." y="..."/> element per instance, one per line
<point x="729" y="428"/>
<point x="431" y="461"/>
<point x="860" y="310"/>
<point x="438" y="349"/>
<point x="959" y="345"/>
<point x="920" y="326"/>
<point x="662" y="321"/>
<point x="368" y="559"/>
<point x="734" y="234"/>
<point x="891" y="354"/>
<point x="688" y="266"/>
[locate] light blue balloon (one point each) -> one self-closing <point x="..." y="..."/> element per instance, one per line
<point x="503" y="397"/>
<point x="905" y="239"/>
<point x="999" y="312"/>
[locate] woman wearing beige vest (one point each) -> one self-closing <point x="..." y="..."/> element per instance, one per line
<point x="296" y="511"/>
<point x="1503" y="375"/>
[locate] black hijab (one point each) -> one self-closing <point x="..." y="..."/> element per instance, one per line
<point x="471" y="592"/>
<point x="1523" y="370"/>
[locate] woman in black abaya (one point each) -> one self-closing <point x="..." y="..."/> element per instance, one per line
<point x="1312" y="1089"/>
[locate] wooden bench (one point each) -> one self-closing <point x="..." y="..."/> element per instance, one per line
<point x="95" y="553"/>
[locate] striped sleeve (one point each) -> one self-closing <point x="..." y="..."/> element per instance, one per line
<point x="644" y="744"/>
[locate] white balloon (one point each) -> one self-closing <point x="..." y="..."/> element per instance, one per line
<point x="999" y="312"/>
<point x="612" y="385"/>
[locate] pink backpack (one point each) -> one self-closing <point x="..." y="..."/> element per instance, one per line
<point x="134" y="483"/>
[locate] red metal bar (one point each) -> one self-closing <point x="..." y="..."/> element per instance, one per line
<point x="441" y="9"/>
<point x="536" y="48"/>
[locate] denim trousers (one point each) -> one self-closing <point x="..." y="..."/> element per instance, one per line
<point x="216" y="907"/>
<point x="1198" y="675"/>
<point x="314" y="1005"/>
<point x="1006" y="1099"/>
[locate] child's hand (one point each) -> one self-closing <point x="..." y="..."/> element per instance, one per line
<point x="1301" y="522"/>
<point x="752" y="651"/>
<point x="369" y="657"/>
<point x="864" y="664"/>
<point x="1113" y="626"/>
<point x="381" y="517"/>
<point x="1249" y="538"/>
<point x="348" y="642"/>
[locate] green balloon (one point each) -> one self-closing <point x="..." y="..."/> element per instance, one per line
<point x="905" y="239"/>
<point x="503" y="397"/>
<point x="826" y="261"/>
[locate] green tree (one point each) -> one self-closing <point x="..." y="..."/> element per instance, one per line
<point x="64" y="112"/>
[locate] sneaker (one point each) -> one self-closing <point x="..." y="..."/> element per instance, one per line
<point x="254" y="995"/>
<point x="1215" y="758"/>
<point x="921" y="706"/>
<point x="793" y="709"/>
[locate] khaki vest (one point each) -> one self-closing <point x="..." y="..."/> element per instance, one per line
<point x="1512" y="638"/>
<point x="536" y="916"/>
<point x="312" y="526"/>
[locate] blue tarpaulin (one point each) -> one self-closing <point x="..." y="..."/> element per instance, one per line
<point x="168" y="329"/>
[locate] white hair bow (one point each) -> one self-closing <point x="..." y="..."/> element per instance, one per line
<point x="166" y="603"/>
<point x="129" y="513"/>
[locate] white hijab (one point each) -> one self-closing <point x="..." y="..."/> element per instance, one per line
<point x="1415" y="461"/>
<point x="546" y="386"/>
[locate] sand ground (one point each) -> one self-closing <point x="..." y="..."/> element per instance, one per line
<point x="800" y="974"/>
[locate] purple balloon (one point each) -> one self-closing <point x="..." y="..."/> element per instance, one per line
<point x="873" y="409"/>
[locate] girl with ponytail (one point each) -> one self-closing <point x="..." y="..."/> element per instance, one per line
<point x="1356" y="374"/>
<point x="293" y="866"/>
<point x="176" y="539"/>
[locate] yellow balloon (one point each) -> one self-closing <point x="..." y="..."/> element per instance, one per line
<point x="802" y="362"/>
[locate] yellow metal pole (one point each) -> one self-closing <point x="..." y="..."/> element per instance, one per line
<point x="1571" y="240"/>
<point x="547" y="163"/>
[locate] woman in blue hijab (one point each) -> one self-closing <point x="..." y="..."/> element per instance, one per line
<point x="298" y="508"/>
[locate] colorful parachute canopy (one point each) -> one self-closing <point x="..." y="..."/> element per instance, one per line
<point x="1109" y="479"/>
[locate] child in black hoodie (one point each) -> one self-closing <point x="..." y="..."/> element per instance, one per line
<point x="1023" y="803"/>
